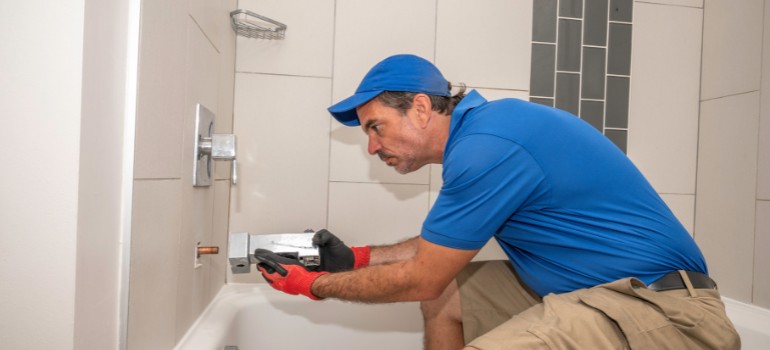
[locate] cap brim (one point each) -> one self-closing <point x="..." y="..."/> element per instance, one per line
<point x="345" y="110"/>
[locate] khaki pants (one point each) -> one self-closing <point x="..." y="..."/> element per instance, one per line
<point x="499" y="312"/>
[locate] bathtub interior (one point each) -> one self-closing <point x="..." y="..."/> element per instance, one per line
<point x="254" y="316"/>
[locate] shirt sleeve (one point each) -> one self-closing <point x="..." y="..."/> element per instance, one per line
<point x="487" y="179"/>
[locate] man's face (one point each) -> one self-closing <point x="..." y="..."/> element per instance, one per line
<point x="392" y="136"/>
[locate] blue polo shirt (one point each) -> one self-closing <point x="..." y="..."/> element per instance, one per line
<point x="566" y="205"/>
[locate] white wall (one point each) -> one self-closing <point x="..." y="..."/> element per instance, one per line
<point x="40" y="95"/>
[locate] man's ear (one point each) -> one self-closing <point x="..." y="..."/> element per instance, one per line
<point x="422" y="110"/>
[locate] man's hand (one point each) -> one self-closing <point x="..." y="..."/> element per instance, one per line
<point x="286" y="274"/>
<point x="336" y="256"/>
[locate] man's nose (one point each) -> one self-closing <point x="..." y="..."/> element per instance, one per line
<point x="374" y="145"/>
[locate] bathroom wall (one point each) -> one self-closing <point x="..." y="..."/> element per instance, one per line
<point x="733" y="183"/>
<point x="41" y="73"/>
<point x="303" y="170"/>
<point x="186" y="56"/>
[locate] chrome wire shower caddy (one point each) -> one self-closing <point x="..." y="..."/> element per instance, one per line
<point x="251" y="25"/>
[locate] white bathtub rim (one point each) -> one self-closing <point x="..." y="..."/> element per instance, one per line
<point x="208" y="330"/>
<point x="748" y="316"/>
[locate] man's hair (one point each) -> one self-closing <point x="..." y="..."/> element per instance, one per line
<point x="402" y="100"/>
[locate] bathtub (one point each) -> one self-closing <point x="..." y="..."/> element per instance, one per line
<point x="255" y="316"/>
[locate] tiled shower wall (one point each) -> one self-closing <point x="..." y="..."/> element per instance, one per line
<point x="187" y="56"/>
<point x="300" y="169"/>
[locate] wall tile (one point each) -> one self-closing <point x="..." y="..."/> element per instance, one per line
<point x="619" y="54"/>
<point x="283" y="147"/>
<point x="210" y="17"/>
<point x="543" y="70"/>
<point x="224" y="117"/>
<point x="761" y="295"/>
<point x="593" y="74"/>
<point x="155" y="228"/>
<point x="218" y="264"/>
<point x="617" y="102"/>
<point x="569" y="43"/>
<point x="307" y="47"/>
<point x="726" y="191"/>
<point x="732" y="37"/>
<point x="193" y="292"/>
<point x="763" y="176"/>
<point x="351" y="161"/>
<point x="368" y="31"/>
<point x="568" y="92"/>
<point x="571" y="8"/>
<point x="357" y="23"/>
<point x="362" y="213"/>
<point x="160" y="101"/>
<point x="487" y="44"/>
<point x="595" y="23"/>
<point x="683" y="206"/>
<point x="664" y="117"/>
<point x="621" y="10"/>
<point x="544" y="21"/>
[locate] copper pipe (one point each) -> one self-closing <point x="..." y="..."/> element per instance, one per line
<point x="208" y="250"/>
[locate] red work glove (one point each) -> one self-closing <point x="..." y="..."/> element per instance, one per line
<point x="336" y="256"/>
<point x="286" y="274"/>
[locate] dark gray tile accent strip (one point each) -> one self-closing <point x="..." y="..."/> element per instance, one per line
<point x="595" y="23"/>
<point x="619" y="138"/>
<point x="619" y="56"/>
<point x="543" y="70"/>
<point x="568" y="92"/>
<point x="621" y="10"/>
<point x="593" y="73"/>
<point x="571" y="8"/>
<point x="593" y="113"/>
<point x="544" y="21"/>
<point x="568" y="52"/>
<point x="581" y="61"/>
<point x="617" y="102"/>
<point x="543" y="101"/>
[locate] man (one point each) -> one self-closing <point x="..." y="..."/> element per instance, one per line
<point x="596" y="259"/>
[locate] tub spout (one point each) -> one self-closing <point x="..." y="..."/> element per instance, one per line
<point x="298" y="246"/>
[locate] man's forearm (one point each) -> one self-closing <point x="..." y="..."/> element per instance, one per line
<point x="374" y="284"/>
<point x="401" y="251"/>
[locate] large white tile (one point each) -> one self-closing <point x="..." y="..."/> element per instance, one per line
<point x="763" y="183"/>
<point x="497" y="94"/>
<point x="213" y="17"/>
<point x="224" y="117"/>
<point x="368" y="31"/>
<point x="218" y="264"/>
<point x="160" y="97"/>
<point x="350" y="161"/>
<point x="762" y="259"/>
<point x="307" y="46"/>
<point x="487" y="44"/>
<point x="683" y="207"/>
<point x="283" y="151"/>
<point x="362" y="214"/>
<point x="726" y="191"/>
<point x="156" y="226"/>
<point x="732" y="47"/>
<point x="663" y="121"/>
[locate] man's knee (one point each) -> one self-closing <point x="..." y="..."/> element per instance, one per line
<point x="446" y="306"/>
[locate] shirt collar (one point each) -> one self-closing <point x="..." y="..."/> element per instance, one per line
<point x="472" y="100"/>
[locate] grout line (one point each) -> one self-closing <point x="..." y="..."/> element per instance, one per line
<point x="285" y="75"/>
<point x="671" y="5"/>
<point x="606" y="66"/>
<point x="380" y="183"/>
<point x="555" y="55"/>
<point x="732" y="95"/>
<point x="700" y="111"/>
<point x="762" y="48"/>
<point x="331" y="121"/>
<point x="582" y="64"/>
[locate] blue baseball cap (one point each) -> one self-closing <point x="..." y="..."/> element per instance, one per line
<point x="407" y="73"/>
